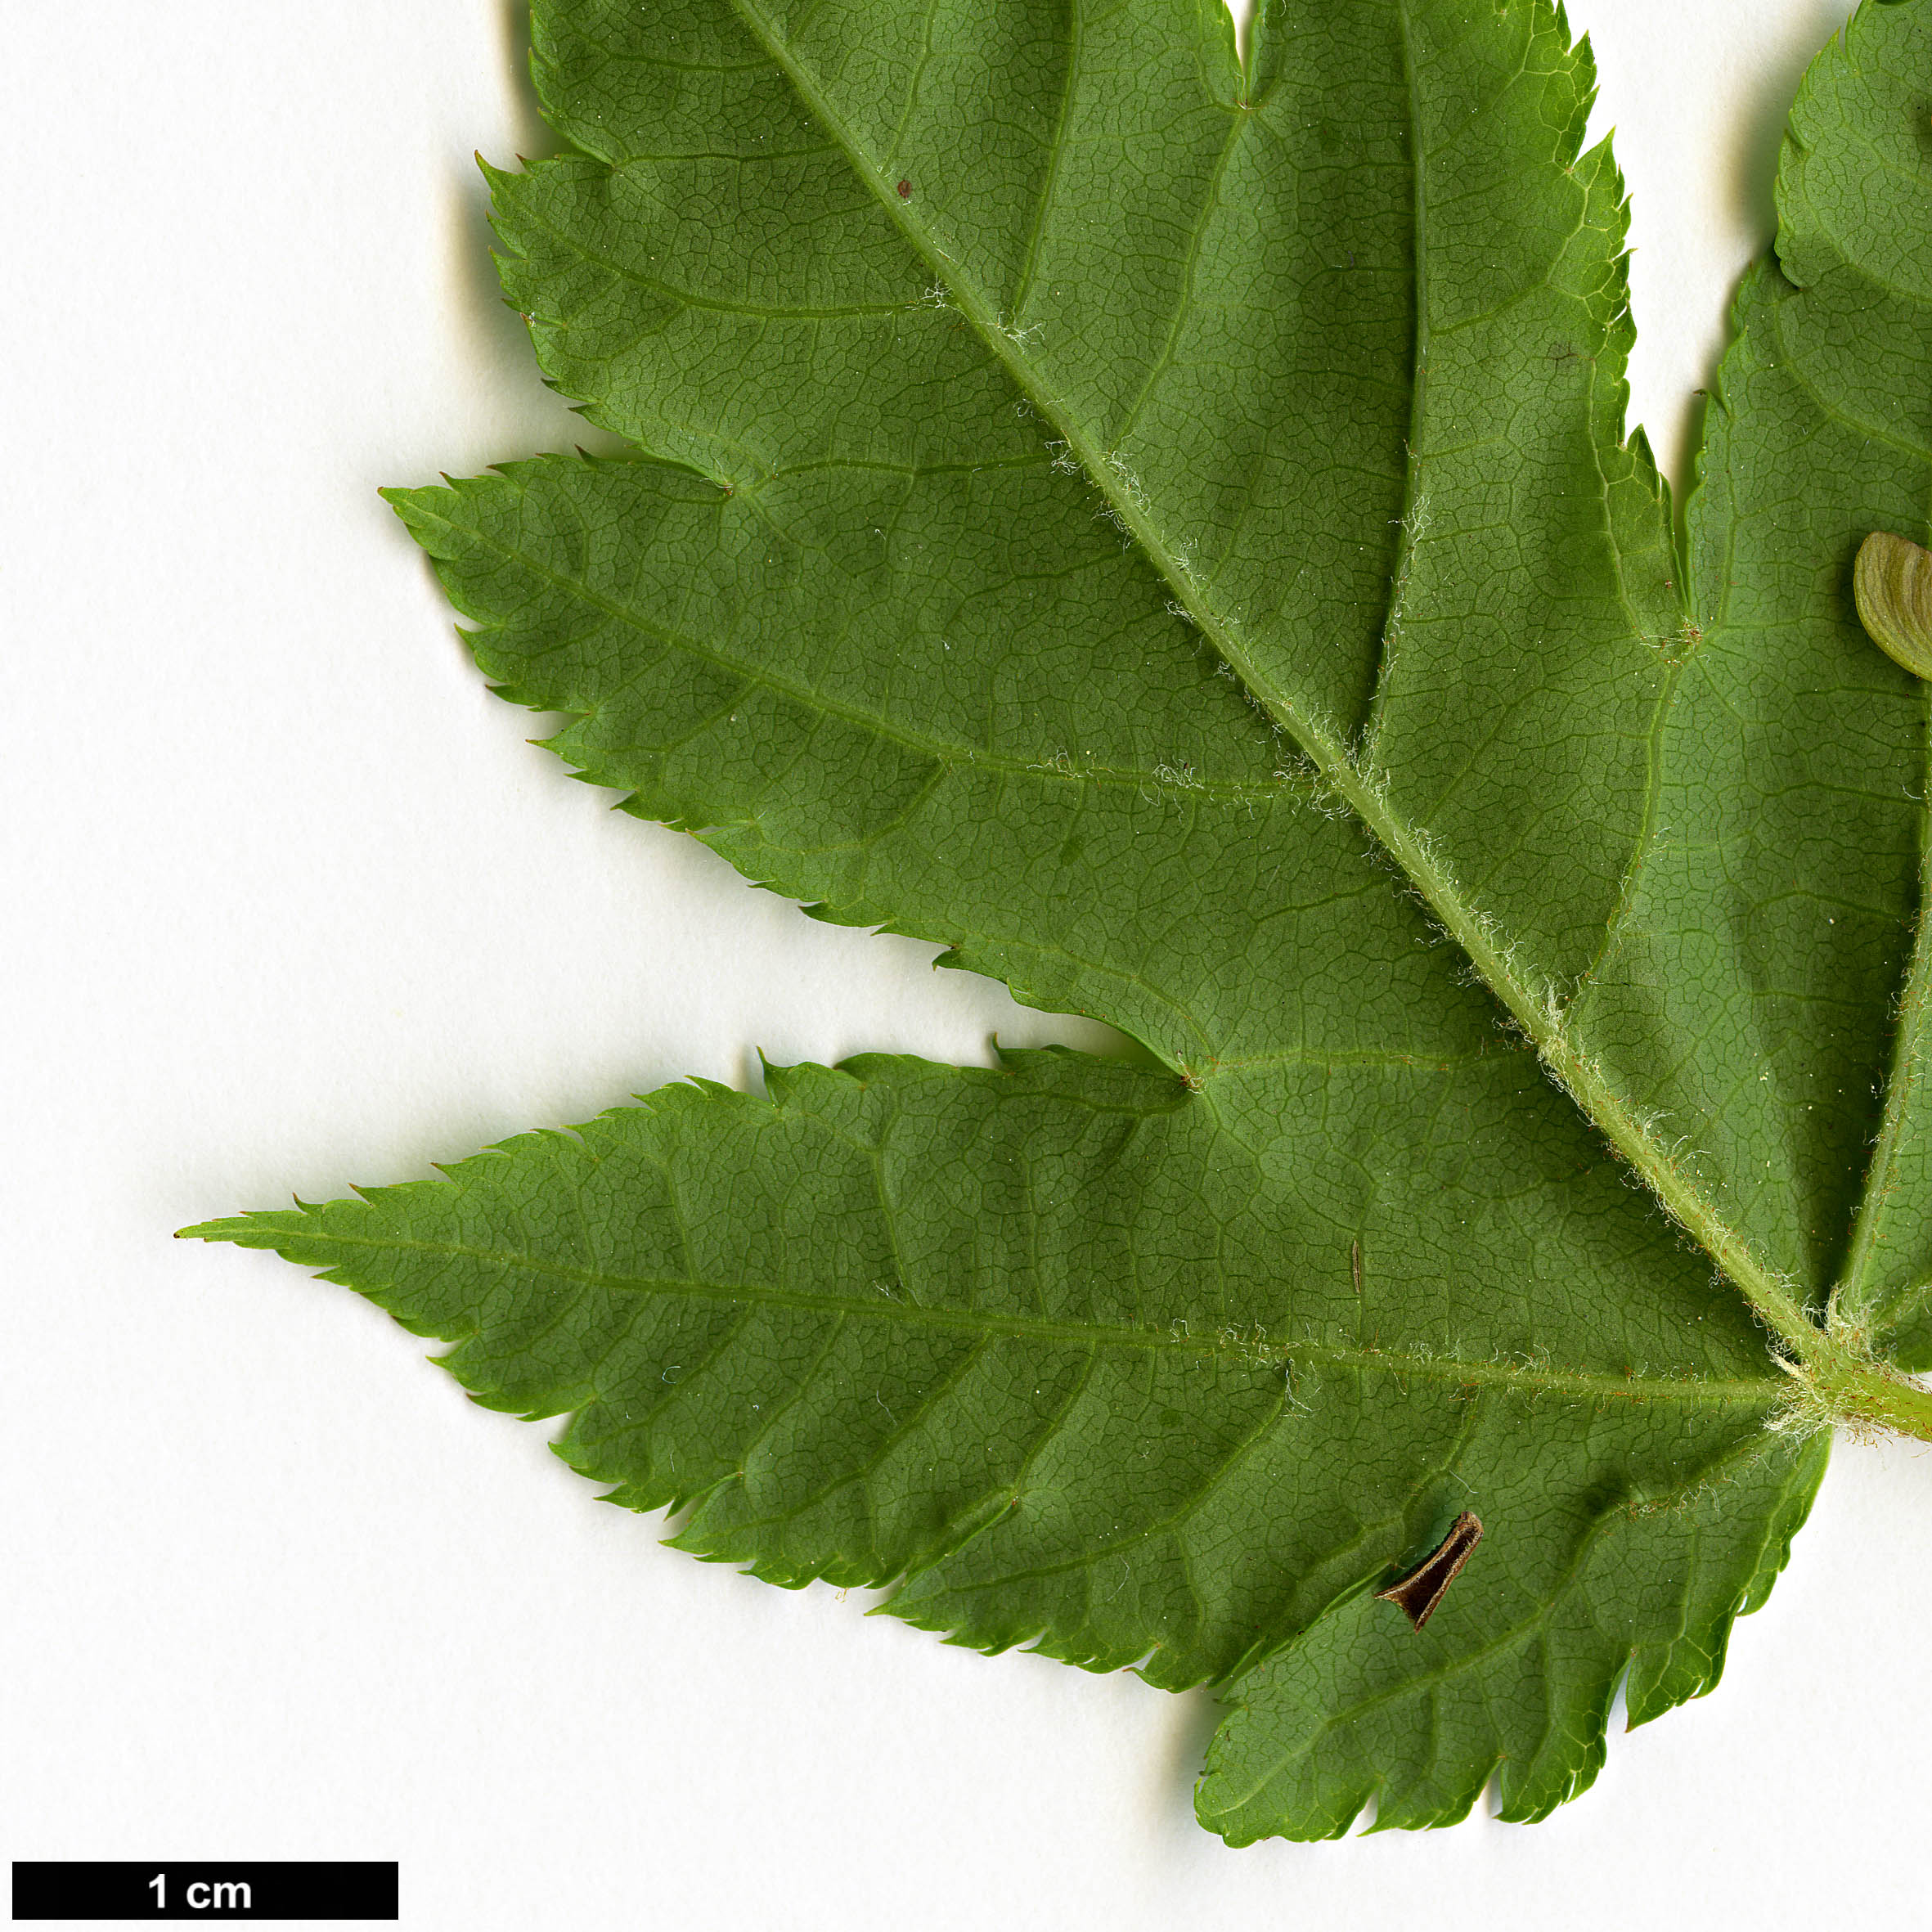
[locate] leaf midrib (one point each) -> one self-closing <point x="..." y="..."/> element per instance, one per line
<point x="949" y="755"/>
<point x="1532" y="1003"/>
<point x="1260" y="1352"/>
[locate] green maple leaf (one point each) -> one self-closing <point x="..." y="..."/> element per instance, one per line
<point x="1160" y="523"/>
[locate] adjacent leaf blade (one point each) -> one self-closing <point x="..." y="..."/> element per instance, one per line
<point x="1746" y="998"/>
<point x="1852" y="326"/>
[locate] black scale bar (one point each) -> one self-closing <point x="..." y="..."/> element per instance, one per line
<point x="124" y="1889"/>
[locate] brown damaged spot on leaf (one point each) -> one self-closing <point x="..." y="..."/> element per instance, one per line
<point x="1419" y="1591"/>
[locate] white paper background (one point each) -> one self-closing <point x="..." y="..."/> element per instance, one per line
<point x="295" y="905"/>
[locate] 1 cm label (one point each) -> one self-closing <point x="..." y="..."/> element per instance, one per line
<point x="205" y="1894"/>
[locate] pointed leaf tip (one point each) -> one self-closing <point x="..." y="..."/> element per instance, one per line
<point x="1893" y="584"/>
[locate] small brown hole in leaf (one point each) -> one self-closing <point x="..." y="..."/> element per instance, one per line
<point x="1417" y="1592"/>
<point x="905" y="190"/>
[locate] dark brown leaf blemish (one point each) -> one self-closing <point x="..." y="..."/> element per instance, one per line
<point x="1419" y="1591"/>
<point x="905" y="190"/>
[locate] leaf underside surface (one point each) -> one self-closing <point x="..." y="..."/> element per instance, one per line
<point x="1160" y="523"/>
